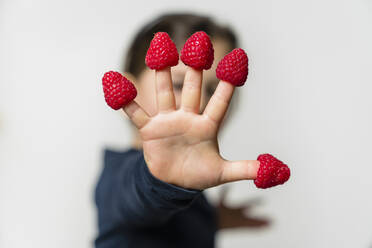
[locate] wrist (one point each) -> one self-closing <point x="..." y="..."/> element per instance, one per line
<point x="172" y="191"/>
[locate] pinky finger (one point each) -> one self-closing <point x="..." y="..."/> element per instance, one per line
<point x="136" y="114"/>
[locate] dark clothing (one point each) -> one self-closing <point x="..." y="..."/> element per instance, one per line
<point x="135" y="209"/>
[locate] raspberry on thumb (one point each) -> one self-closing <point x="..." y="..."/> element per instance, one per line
<point x="118" y="90"/>
<point x="271" y="172"/>
<point x="233" y="68"/>
<point x="162" y="52"/>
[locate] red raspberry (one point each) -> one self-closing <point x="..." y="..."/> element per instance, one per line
<point x="272" y="172"/>
<point x="118" y="90"/>
<point x="198" y="51"/>
<point x="233" y="68"/>
<point x="162" y="52"/>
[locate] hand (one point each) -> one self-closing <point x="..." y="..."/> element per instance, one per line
<point x="180" y="146"/>
<point x="238" y="217"/>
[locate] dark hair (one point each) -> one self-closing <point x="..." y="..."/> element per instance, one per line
<point x="179" y="27"/>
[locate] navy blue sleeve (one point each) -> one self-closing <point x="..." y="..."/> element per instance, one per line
<point x="129" y="196"/>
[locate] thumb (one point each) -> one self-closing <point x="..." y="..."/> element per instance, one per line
<point x="239" y="170"/>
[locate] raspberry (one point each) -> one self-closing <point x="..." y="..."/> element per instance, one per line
<point x="272" y="172"/>
<point x="198" y="51"/>
<point x="233" y="68"/>
<point x="118" y="90"/>
<point x="162" y="52"/>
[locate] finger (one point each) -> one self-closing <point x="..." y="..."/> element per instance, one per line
<point x="243" y="221"/>
<point x="255" y="222"/>
<point x="164" y="90"/>
<point x="219" y="102"/>
<point x="136" y="114"/>
<point x="239" y="170"/>
<point x="191" y="90"/>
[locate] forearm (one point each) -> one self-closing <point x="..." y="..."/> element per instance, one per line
<point x="134" y="198"/>
<point x="150" y="201"/>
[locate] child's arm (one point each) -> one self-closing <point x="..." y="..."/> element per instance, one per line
<point x="180" y="146"/>
<point x="128" y="196"/>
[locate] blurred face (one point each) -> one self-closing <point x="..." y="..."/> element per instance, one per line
<point x="146" y="85"/>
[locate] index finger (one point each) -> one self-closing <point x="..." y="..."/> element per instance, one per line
<point x="219" y="102"/>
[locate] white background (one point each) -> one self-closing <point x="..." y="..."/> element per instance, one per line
<point x="308" y="100"/>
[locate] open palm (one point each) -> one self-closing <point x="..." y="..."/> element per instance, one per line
<point x="180" y="145"/>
